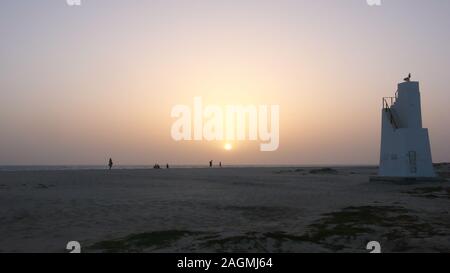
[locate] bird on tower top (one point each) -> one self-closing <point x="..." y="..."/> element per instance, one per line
<point x="408" y="79"/>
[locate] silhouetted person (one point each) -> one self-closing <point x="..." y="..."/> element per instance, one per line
<point x="408" y="79"/>
<point x="110" y="164"/>
<point x="220" y="164"/>
<point x="167" y="165"/>
<point x="156" y="166"/>
<point x="210" y="163"/>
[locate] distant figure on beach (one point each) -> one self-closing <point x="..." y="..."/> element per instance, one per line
<point x="210" y="163"/>
<point x="408" y="79"/>
<point x="156" y="166"/>
<point x="220" y="164"/>
<point x="167" y="165"/>
<point x="110" y="164"/>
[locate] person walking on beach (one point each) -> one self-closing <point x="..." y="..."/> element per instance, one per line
<point x="110" y="164"/>
<point x="210" y="163"/>
<point x="167" y="165"/>
<point x="220" y="164"/>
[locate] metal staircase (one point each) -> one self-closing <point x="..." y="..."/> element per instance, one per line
<point x="388" y="102"/>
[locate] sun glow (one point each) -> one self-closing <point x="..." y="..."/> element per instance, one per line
<point x="228" y="147"/>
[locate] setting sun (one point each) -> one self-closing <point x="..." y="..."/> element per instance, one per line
<point x="228" y="146"/>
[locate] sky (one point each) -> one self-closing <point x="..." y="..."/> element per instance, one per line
<point x="80" y="84"/>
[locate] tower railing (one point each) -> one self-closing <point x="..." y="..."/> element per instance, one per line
<point x="387" y="104"/>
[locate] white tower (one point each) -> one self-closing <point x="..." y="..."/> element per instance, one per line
<point x="405" y="146"/>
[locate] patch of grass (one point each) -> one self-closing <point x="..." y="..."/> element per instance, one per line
<point x="141" y="241"/>
<point x="229" y="240"/>
<point x="370" y="215"/>
<point x="336" y="231"/>
<point x="322" y="232"/>
<point x="350" y="223"/>
<point x="290" y="171"/>
<point x="431" y="192"/>
<point x="347" y="223"/>
<point x="390" y="223"/>
<point x="250" y="242"/>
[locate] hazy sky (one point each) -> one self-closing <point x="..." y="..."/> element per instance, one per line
<point x="81" y="84"/>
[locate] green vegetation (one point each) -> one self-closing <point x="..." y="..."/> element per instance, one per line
<point x="141" y="241"/>
<point x="431" y="192"/>
<point x="335" y="231"/>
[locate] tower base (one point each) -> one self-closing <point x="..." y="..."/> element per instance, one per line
<point x="406" y="180"/>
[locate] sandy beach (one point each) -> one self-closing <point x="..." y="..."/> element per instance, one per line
<point x="221" y="210"/>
